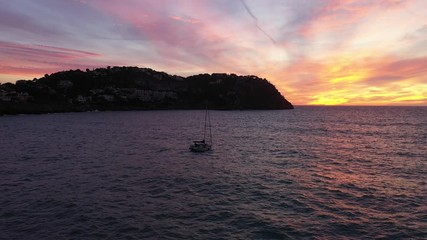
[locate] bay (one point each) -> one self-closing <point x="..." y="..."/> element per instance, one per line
<point x="312" y="172"/>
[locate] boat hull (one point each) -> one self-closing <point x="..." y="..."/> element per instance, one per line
<point x="204" y="147"/>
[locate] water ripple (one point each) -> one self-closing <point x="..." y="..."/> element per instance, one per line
<point x="310" y="173"/>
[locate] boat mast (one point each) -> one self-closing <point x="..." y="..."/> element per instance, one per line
<point x="206" y="120"/>
<point x="210" y="128"/>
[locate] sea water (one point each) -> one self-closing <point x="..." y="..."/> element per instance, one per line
<point x="312" y="172"/>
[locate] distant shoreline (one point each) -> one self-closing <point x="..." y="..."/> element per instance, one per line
<point x="46" y="109"/>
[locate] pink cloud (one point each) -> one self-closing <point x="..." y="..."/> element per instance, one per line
<point x="25" y="71"/>
<point x="394" y="69"/>
<point x="25" y="60"/>
<point x="186" y="19"/>
<point x="337" y="15"/>
<point x="185" y="33"/>
<point x="34" y="52"/>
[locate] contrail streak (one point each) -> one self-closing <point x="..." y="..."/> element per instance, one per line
<point x="256" y="21"/>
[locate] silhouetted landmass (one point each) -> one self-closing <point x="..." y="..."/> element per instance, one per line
<point x="133" y="88"/>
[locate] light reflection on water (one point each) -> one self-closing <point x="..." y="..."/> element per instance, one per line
<point x="321" y="172"/>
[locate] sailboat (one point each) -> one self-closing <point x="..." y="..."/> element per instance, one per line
<point x="204" y="145"/>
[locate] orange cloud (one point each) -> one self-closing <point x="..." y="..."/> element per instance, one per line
<point x="380" y="81"/>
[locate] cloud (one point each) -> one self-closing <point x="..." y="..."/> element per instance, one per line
<point x="186" y="19"/>
<point x="189" y="33"/>
<point x="391" y="70"/>
<point x="34" y="52"/>
<point x="324" y="51"/>
<point x="31" y="60"/>
<point x="17" y="22"/>
<point x="355" y="80"/>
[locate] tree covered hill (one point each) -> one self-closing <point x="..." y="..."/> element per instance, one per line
<point x="132" y="88"/>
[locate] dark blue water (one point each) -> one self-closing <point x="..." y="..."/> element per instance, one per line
<point x="312" y="172"/>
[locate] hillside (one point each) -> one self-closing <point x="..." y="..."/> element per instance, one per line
<point x="132" y="88"/>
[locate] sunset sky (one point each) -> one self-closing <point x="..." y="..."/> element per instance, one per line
<point x="354" y="52"/>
